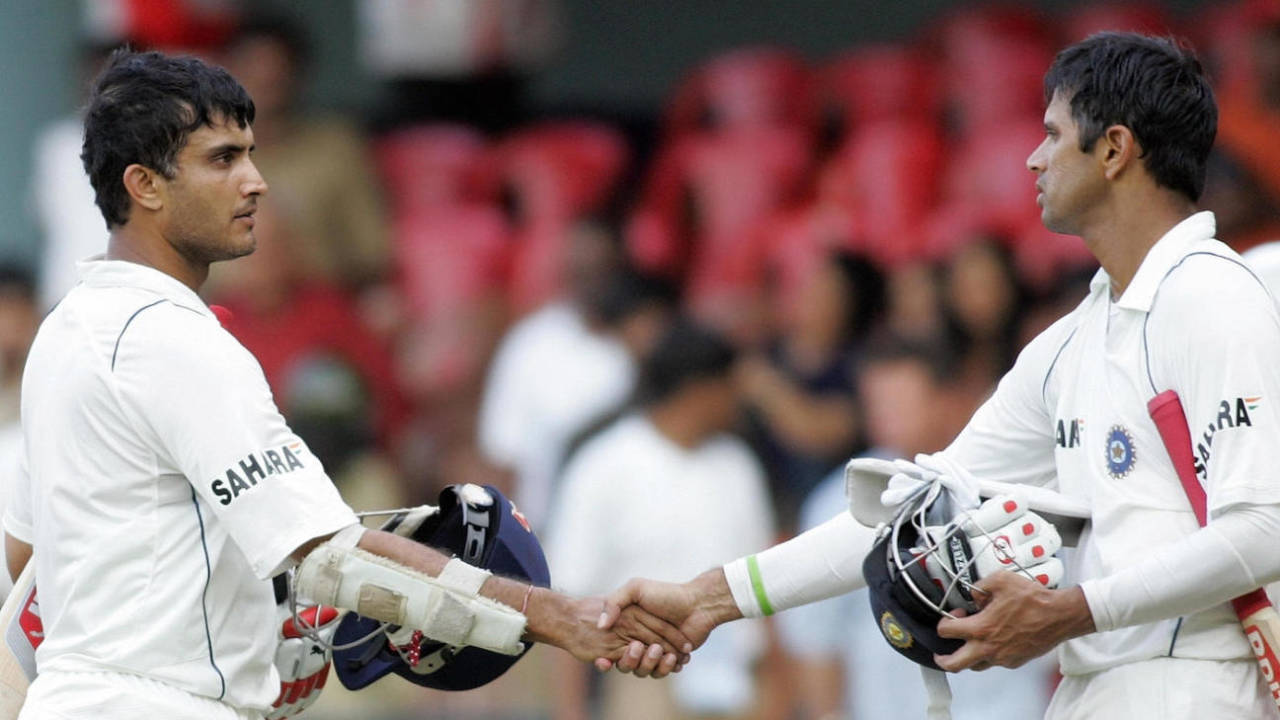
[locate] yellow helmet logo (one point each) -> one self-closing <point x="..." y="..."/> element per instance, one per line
<point x="894" y="633"/>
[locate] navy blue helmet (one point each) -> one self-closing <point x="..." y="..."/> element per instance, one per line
<point x="482" y="528"/>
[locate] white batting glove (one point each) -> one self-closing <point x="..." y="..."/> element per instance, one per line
<point x="912" y="476"/>
<point x="1003" y="535"/>
<point x="303" y="664"/>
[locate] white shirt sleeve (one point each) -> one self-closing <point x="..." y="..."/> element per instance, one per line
<point x="202" y="402"/>
<point x="1214" y="337"/>
<point x="1011" y="436"/>
<point x="17" y="511"/>
<point x="1175" y="580"/>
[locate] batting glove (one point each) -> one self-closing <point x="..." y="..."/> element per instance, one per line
<point x="302" y="662"/>
<point x="912" y="476"/>
<point x="1002" y="535"/>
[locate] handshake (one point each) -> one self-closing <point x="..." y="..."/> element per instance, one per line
<point x="656" y="625"/>
<point x="957" y="536"/>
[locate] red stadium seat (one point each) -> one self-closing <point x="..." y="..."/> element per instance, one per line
<point x="713" y="186"/>
<point x="989" y="170"/>
<point x="887" y="176"/>
<point x="1142" y="17"/>
<point x="750" y="87"/>
<point x="448" y="257"/>
<point x="994" y="59"/>
<point x="434" y="165"/>
<point x="879" y="82"/>
<point x="557" y="174"/>
<point x="452" y="264"/>
<point x="739" y="177"/>
<point x="564" y="169"/>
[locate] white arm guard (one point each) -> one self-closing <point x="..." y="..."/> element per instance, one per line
<point x="448" y="609"/>
<point x="824" y="562"/>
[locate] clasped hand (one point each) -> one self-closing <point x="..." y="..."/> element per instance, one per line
<point x="626" y="636"/>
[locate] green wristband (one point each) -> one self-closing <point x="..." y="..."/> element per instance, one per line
<point x="757" y="585"/>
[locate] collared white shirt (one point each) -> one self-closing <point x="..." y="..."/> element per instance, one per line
<point x="635" y="504"/>
<point x="163" y="489"/>
<point x="1073" y="412"/>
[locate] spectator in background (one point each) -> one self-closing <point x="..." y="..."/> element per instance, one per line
<point x="70" y="224"/>
<point x="1247" y="214"/>
<point x="331" y="374"/>
<point x="322" y="162"/>
<point x="555" y="372"/>
<point x="801" y="391"/>
<point x="1249" y="117"/>
<point x="665" y="492"/>
<point x="19" y="318"/>
<point x="914" y="301"/>
<point x="844" y="666"/>
<point x="983" y="305"/>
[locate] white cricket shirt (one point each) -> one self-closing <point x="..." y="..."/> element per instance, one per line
<point x="164" y="488"/>
<point x="1073" y="412"/>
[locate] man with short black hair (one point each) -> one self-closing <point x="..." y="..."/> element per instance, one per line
<point x="1149" y="631"/>
<point x="163" y="486"/>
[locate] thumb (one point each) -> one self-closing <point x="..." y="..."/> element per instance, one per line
<point x="613" y="603"/>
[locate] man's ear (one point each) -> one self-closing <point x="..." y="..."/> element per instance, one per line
<point x="1119" y="150"/>
<point x="145" y="186"/>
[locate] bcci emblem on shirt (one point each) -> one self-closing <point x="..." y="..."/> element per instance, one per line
<point x="1120" y="454"/>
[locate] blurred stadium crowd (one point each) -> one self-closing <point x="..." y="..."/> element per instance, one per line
<point x="660" y="346"/>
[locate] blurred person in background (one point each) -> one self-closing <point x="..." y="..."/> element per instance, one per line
<point x="321" y="161"/>
<point x="331" y="373"/>
<point x="983" y="302"/>
<point x="62" y="198"/>
<point x="1249" y="98"/>
<point x="914" y="300"/>
<point x="665" y="491"/>
<point x="983" y="306"/>
<point x="19" y="317"/>
<point x="1248" y="215"/>
<point x="801" y="389"/>
<point x="555" y="371"/>
<point x="844" y="668"/>
<point x="464" y="61"/>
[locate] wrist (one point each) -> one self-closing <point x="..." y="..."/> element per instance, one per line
<point x="714" y="598"/>
<point x="1072" y="608"/>
<point x="546" y="614"/>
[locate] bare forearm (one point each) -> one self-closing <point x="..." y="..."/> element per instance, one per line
<point x="545" y="612"/>
<point x="17" y="554"/>
<point x="811" y="424"/>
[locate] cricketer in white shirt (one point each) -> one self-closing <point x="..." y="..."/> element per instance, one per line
<point x="1071" y="415"/>
<point x="164" y="489"/>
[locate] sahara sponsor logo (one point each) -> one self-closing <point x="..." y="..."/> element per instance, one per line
<point x="256" y="467"/>
<point x="1231" y="414"/>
